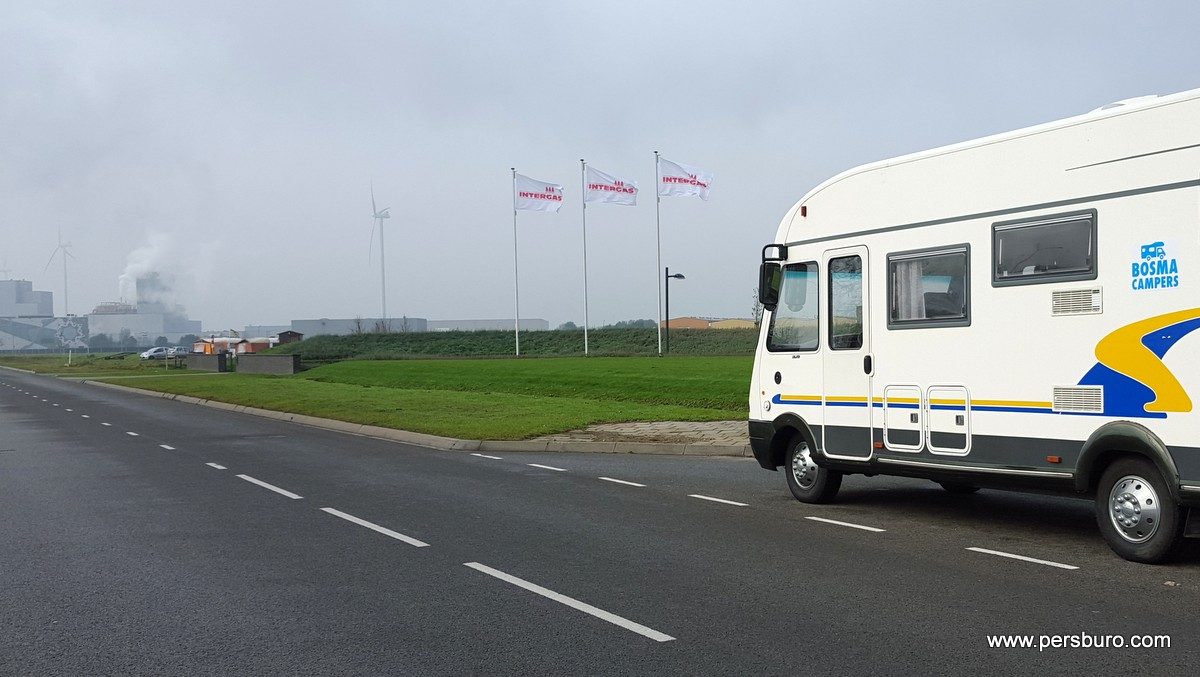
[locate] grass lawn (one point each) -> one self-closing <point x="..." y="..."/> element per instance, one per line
<point x="87" y="365"/>
<point x="491" y="399"/>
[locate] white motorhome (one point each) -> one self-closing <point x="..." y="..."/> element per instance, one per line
<point x="1013" y="312"/>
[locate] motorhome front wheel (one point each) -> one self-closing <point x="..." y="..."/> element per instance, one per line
<point x="809" y="482"/>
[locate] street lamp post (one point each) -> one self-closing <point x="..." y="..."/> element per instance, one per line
<point x="667" y="309"/>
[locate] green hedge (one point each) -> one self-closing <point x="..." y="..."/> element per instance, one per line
<point x="533" y="343"/>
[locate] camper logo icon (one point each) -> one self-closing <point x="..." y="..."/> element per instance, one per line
<point x="1155" y="270"/>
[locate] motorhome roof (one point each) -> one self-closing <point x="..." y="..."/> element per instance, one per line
<point x="1123" y="107"/>
<point x="1006" y="172"/>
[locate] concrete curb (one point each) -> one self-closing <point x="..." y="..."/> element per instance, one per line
<point x="444" y="443"/>
<point x="23" y="371"/>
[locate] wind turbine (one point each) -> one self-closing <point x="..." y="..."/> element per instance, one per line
<point x="65" y="248"/>
<point x="380" y="215"/>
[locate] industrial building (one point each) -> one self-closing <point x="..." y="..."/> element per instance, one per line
<point x="18" y="299"/>
<point x="709" y="323"/>
<point x="526" y="324"/>
<point x="148" y="317"/>
<point x="145" y="322"/>
<point x="27" y="320"/>
<point x="359" y="325"/>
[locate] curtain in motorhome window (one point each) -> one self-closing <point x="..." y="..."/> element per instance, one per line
<point x="929" y="288"/>
<point x="845" y="303"/>
<point x="1049" y="248"/>
<point x="794" y="322"/>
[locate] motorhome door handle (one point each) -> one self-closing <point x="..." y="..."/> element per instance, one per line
<point x="868" y="367"/>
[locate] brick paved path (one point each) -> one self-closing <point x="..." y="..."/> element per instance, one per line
<point x="722" y="433"/>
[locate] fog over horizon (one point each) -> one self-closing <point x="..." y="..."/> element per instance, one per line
<point x="231" y="147"/>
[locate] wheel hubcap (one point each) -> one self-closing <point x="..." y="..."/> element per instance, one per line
<point x="1134" y="509"/>
<point x="804" y="471"/>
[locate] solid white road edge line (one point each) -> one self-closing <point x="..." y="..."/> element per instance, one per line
<point x="717" y="500"/>
<point x="573" y="603"/>
<point x="272" y="487"/>
<point x="167" y="447"/>
<point x="215" y="465"/>
<point x="545" y="467"/>
<point x="632" y="484"/>
<point x="494" y="458"/>
<point x="1023" y="558"/>
<point x="375" y="527"/>
<point x="845" y="524"/>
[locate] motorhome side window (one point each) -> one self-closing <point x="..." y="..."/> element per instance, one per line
<point x="1047" y="249"/>
<point x="845" y="303"/>
<point x="794" y="322"/>
<point x="929" y="288"/>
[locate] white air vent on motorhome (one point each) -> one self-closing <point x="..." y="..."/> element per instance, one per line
<point x="1086" y="399"/>
<point x="1077" y="302"/>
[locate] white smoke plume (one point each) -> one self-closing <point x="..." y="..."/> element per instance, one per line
<point x="157" y="273"/>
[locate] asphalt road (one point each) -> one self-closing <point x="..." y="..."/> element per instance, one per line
<point x="141" y="535"/>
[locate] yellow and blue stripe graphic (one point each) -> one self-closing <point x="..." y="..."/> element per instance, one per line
<point x="1131" y="370"/>
<point x="912" y="403"/>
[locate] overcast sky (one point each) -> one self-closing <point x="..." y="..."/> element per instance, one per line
<point x="231" y="146"/>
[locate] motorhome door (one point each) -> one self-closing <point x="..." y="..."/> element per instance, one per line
<point x="847" y="362"/>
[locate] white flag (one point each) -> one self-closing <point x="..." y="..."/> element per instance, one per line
<point x="601" y="187"/>
<point x="676" y="178"/>
<point x="538" y="196"/>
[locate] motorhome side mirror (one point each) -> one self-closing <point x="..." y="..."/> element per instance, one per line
<point x="775" y="252"/>
<point x="769" y="277"/>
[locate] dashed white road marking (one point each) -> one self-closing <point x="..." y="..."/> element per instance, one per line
<point x="375" y="527"/>
<point x="107" y="424"/>
<point x="84" y="416"/>
<point x="56" y="404"/>
<point x="218" y="466"/>
<point x="1024" y="558"/>
<point x="272" y="487"/>
<point x="131" y="433"/>
<point x="494" y="458"/>
<point x="69" y="409"/>
<point x="717" y="500"/>
<point x="632" y="484"/>
<point x="573" y="603"/>
<point x="845" y="524"/>
<point x="545" y="467"/>
<point x="167" y="447"/>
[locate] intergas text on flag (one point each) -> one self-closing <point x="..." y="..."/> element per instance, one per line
<point x="676" y="178"/>
<point x="534" y="195"/>
<point x="603" y="187"/>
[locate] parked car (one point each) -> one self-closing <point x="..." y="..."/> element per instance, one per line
<point x="178" y="351"/>
<point x="156" y="353"/>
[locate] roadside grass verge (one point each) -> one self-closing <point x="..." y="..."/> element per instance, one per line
<point x="452" y="413"/>
<point x="699" y="382"/>
<point x="86" y="364"/>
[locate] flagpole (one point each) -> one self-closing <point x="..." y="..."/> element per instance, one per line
<point x="658" y="242"/>
<point x="583" y="202"/>
<point x="516" y="274"/>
